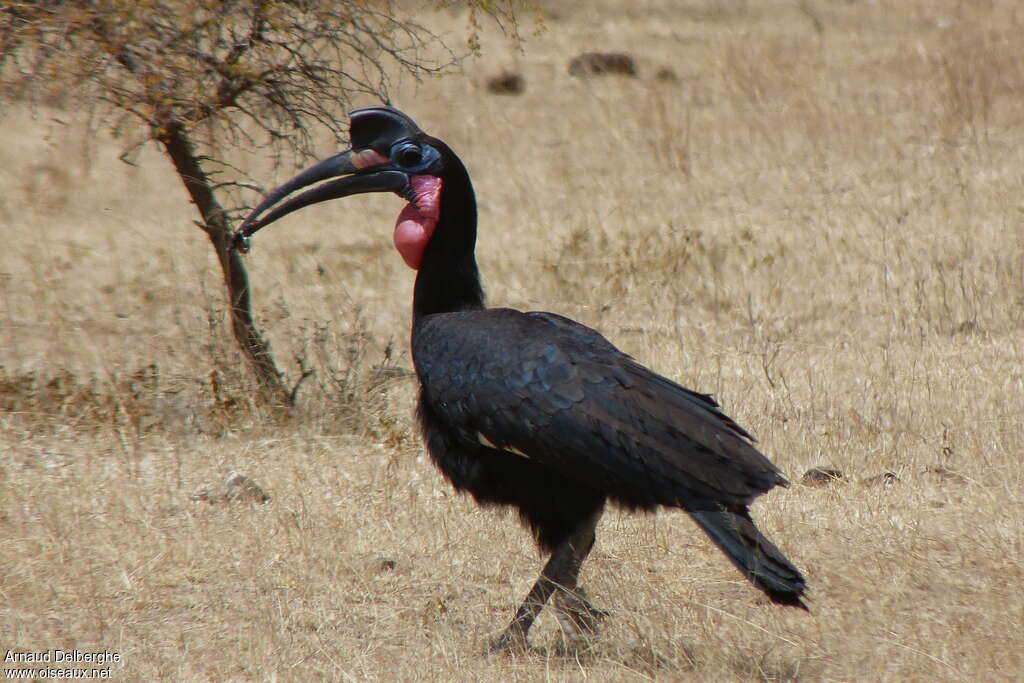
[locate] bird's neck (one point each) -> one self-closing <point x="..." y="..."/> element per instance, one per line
<point x="448" y="279"/>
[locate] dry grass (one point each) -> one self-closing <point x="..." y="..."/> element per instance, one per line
<point x="819" y="221"/>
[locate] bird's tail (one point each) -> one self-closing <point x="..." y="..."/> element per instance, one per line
<point x="764" y="565"/>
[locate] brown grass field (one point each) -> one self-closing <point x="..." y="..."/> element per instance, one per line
<point x="819" y="219"/>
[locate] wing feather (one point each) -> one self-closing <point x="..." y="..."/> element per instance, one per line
<point x="563" y="395"/>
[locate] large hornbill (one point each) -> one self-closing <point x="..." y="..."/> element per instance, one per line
<point x="533" y="410"/>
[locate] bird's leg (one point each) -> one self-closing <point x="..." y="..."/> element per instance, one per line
<point x="576" y="615"/>
<point x="514" y="637"/>
<point x="559" y="574"/>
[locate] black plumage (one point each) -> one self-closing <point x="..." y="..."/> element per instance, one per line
<point x="536" y="411"/>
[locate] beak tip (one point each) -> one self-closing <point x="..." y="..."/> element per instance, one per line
<point x="240" y="241"/>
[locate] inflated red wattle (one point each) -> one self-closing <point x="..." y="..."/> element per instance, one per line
<point x="417" y="221"/>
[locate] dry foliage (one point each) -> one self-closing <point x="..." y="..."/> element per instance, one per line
<point x="819" y="221"/>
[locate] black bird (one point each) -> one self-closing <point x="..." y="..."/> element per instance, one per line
<point x="533" y="410"/>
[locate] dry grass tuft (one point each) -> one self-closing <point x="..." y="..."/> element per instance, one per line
<point x="818" y="219"/>
<point x="602" y="63"/>
<point x="506" y="83"/>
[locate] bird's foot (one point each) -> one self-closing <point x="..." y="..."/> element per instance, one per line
<point x="512" y="641"/>
<point x="578" y="618"/>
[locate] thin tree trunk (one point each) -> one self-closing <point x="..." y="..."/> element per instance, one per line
<point x="181" y="151"/>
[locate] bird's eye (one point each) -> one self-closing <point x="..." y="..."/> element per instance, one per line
<point x="409" y="156"/>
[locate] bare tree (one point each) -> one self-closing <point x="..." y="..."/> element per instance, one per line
<point x="195" y="75"/>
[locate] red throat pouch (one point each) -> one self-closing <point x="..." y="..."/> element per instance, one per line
<point x="418" y="219"/>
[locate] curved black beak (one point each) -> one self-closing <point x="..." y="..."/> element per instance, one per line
<point x="361" y="171"/>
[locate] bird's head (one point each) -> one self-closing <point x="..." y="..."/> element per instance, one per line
<point x="389" y="153"/>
